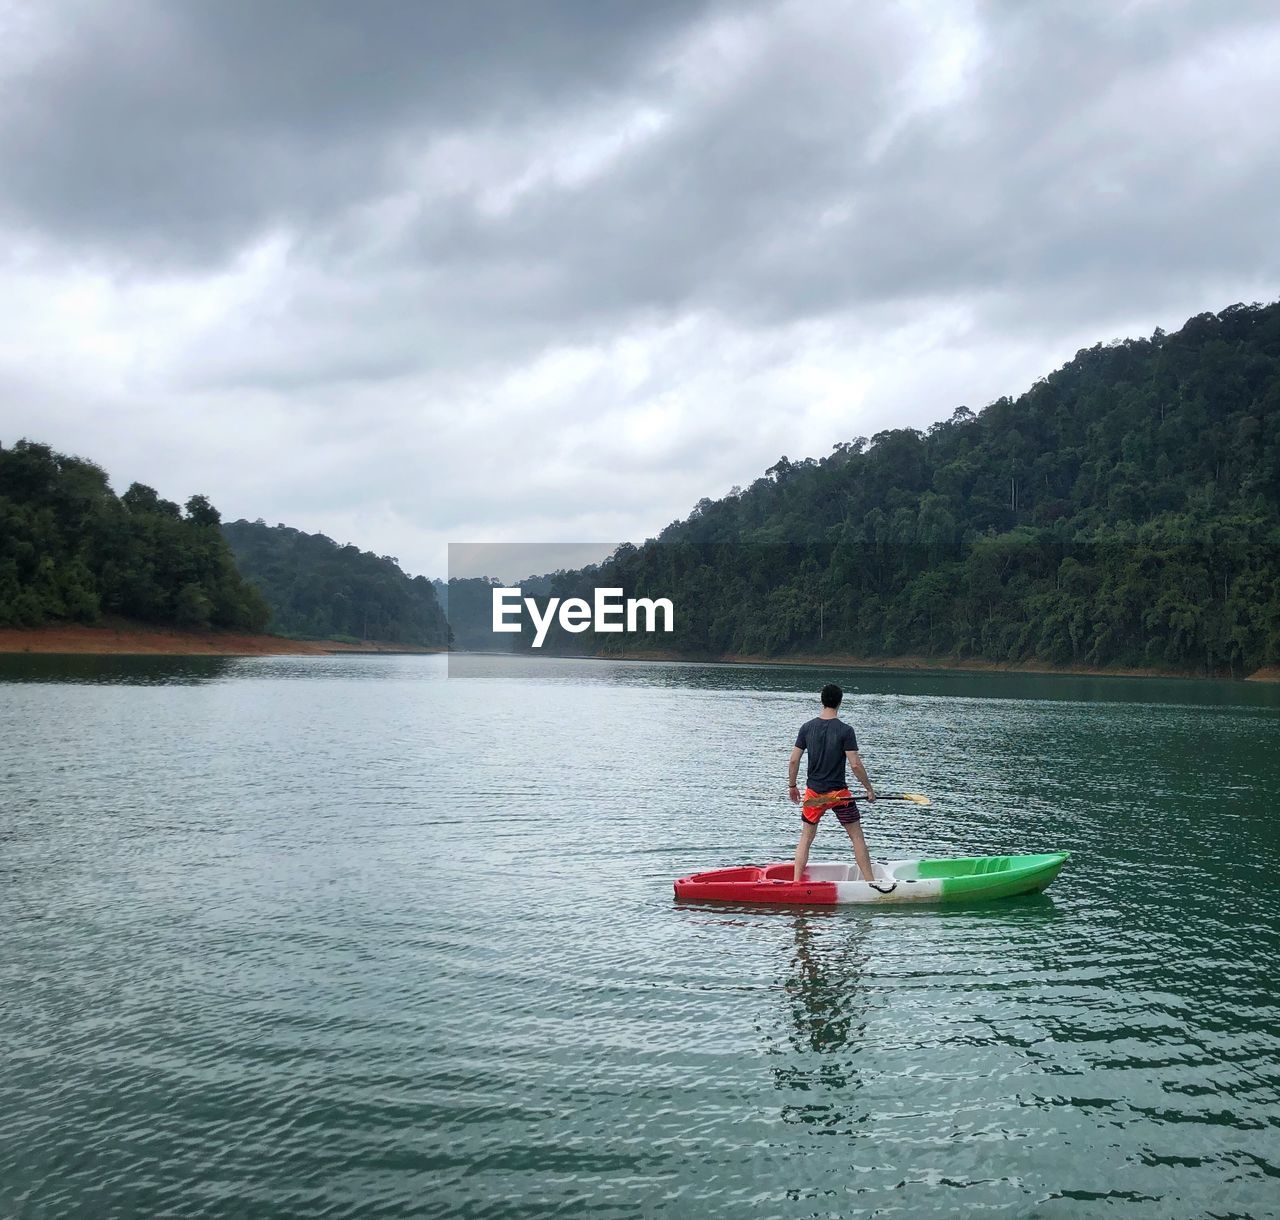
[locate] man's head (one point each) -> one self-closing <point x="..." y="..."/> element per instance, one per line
<point x="831" y="695"/>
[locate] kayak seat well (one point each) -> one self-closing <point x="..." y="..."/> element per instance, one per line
<point x="978" y="866"/>
<point x="748" y="872"/>
<point x="822" y="870"/>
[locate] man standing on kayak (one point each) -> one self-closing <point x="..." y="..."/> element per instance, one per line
<point x="830" y="743"/>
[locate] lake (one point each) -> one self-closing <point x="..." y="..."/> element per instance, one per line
<point x="395" y="936"/>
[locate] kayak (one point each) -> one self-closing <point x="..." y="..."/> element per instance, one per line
<point x="961" y="879"/>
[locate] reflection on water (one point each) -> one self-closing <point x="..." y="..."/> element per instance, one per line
<point x="831" y="987"/>
<point x="904" y="684"/>
<point x="359" y="668"/>
<point x="114" y="670"/>
<point x="826" y="992"/>
<point x="675" y="675"/>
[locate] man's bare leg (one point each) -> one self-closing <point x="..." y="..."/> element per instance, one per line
<point x="807" y="833"/>
<point x="860" y="852"/>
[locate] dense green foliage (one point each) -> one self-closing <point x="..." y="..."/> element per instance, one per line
<point x="70" y="549"/>
<point x="1123" y="511"/>
<point x="319" y="590"/>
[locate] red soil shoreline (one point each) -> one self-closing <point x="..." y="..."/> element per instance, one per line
<point x="138" y="639"/>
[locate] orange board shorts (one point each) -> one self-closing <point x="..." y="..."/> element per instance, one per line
<point x="841" y="800"/>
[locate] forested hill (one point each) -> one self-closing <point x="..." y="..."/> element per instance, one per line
<point x="319" y="590"/>
<point x="1123" y="511"/>
<point x="71" y="549"/>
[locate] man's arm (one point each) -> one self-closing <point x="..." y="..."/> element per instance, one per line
<point x="793" y="770"/>
<point x="855" y="761"/>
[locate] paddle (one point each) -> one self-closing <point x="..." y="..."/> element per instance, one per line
<point x="916" y="798"/>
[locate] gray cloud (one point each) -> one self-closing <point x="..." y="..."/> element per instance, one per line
<point x="180" y="130"/>
<point x="419" y="271"/>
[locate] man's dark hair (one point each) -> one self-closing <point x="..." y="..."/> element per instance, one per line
<point x="831" y="695"/>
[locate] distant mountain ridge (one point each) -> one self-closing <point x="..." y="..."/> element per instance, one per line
<point x="1124" y="511"/>
<point x="317" y="589"/>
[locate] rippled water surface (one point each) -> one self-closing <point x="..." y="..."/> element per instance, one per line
<point x="356" y="937"/>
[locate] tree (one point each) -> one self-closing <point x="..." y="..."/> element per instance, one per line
<point x="70" y="549"/>
<point x="192" y="607"/>
<point x="201" y="512"/>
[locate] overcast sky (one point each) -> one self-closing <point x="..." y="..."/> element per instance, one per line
<point x="413" y="272"/>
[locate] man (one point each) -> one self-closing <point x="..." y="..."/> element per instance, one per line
<point x="830" y="742"/>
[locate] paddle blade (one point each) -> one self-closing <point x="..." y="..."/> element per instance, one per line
<point x="916" y="798"/>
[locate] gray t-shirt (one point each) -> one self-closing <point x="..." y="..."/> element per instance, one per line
<point x="825" y="741"/>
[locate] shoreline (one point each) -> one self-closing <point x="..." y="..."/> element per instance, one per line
<point x="140" y="639"/>
<point x="123" y="638"/>
<point x="924" y="664"/>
